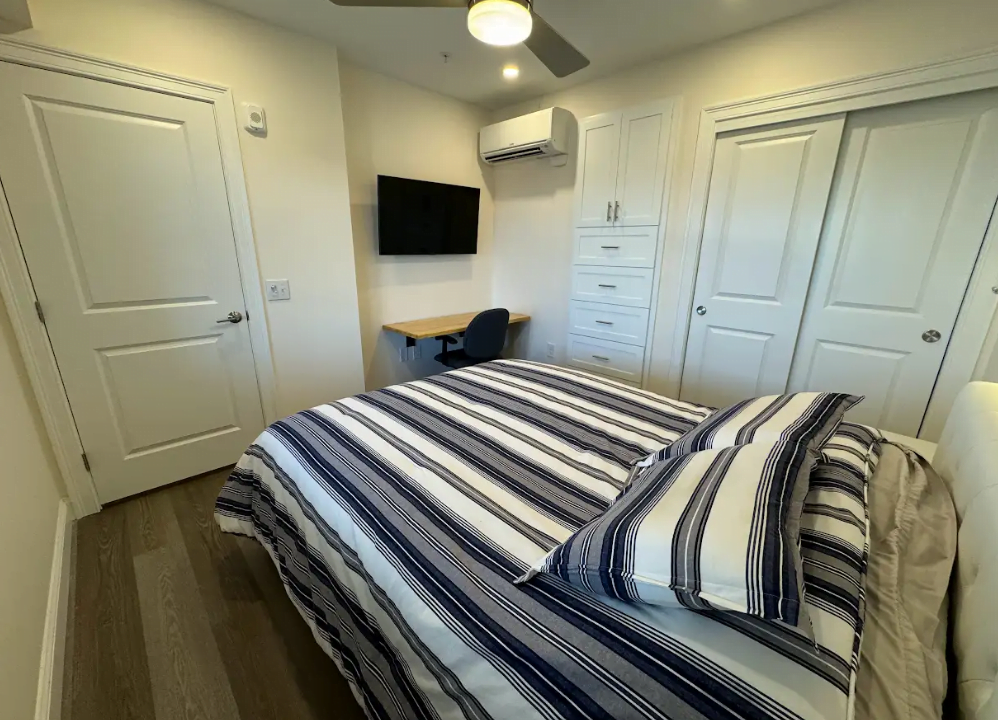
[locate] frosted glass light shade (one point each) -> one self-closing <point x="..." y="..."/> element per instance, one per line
<point x="500" y="22"/>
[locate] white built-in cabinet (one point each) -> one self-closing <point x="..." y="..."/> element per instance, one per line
<point x="622" y="167"/>
<point x="619" y="194"/>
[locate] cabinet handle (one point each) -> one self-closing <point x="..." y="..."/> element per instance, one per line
<point x="609" y="247"/>
<point x="608" y="286"/>
<point x="616" y="212"/>
<point x="600" y="357"/>
<point x="609" y="211"/>
<point x="603" y="322"/>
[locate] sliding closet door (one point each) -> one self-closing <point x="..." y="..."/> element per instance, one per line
<point x="909" y="210"/>
<point x="767" y="199"/>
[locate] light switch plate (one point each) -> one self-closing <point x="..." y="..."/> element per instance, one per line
<point x="278" y="290"/>
<point x="551" y="350"/>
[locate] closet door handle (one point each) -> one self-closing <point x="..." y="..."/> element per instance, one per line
<point x="603" y="322"/>
<point x="609" y="211"/>
<point x="609" y="247"/>
<point x="600" y="357"/>
<point x="616" y="211"/>
<point x="608" y="286"/>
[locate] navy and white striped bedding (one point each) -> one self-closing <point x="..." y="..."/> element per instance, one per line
<point x="399" y="520"/>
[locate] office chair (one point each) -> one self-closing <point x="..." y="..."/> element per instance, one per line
<point x="483" y="341"/>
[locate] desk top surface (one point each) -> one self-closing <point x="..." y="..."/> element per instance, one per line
<point x="437" y="326"/>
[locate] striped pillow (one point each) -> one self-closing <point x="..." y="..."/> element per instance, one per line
<point x="710" y="530"/>
<point x="834" y="537"/>
<point x="808" y="418"/>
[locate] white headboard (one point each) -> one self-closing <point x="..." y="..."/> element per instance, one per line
<point x="967" y="458"/>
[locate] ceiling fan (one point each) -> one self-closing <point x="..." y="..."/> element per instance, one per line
<point x="503" y="22"/>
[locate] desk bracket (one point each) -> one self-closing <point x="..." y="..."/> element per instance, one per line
<point x="410" y="342"/>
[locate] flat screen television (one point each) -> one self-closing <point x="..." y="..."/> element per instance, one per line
<point x="416" y="217"/>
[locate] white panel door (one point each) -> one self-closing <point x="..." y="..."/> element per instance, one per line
<point x="910" y="207"/>
<point x="121" y="209"/>
<point x="644" y="145"/>
<point x="599" y="148"/>
<point x="767" y="199"/>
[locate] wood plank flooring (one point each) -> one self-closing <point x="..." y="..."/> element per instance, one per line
<point x="171" y="618"/>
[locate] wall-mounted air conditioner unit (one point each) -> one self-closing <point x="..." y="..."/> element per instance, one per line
<point x="540" y="134"/>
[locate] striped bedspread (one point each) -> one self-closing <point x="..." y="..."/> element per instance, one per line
<point x="399" y="520"/>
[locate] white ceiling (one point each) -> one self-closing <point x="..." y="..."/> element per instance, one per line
<point x="407" y="43"/>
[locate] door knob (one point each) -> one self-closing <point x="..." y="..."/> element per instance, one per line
<point x="235" y="317"/>
<point x="931" y="336"/>
<point x="701" y="310"/>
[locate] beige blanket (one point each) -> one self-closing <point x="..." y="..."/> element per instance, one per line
<point x="913" y="534"/>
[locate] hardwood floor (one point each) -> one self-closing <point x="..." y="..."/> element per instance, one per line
<point x="171" y="618"/>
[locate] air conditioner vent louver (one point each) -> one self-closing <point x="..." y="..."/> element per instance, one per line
<point x="515" y="154"/>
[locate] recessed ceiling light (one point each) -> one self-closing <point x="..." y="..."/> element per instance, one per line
<point x="511" y="72"/>
<point x="500" y="22"/>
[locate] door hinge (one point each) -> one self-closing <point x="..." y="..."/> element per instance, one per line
<point x="86" y="462"/>
<point x="41" y="313"/>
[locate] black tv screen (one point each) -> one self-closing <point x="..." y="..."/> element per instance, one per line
<point x="416" y="217"/>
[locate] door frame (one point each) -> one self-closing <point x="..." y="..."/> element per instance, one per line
<point x="18" y="293"/>
<point x="946" y="77"/>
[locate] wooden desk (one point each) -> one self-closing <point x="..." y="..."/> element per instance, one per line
<point x="414" y="330"/>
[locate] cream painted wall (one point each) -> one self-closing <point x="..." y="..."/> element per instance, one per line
<point x="534" y="203"/>
<point x="393" y="128"/>
<point x="296" y="176"/>
<point x="30" y="488"/>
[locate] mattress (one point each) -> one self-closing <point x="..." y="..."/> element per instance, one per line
<point x="399" y="520"/>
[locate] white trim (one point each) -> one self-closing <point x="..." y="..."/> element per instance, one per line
<point x="967" y="348"/>
<point x="48" y="702"/>
<point x="946" y="77"/>
<point x="671" y="156"/>
<point x="15" y="282"/>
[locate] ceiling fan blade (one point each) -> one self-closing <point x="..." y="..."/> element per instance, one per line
<point x="402" y="3"/>
<point x="553" y="50"/>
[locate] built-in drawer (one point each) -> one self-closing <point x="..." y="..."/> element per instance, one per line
<point x="618" y="247"/>
<point x="608" y="322"/>
<point x="616" y="286"/>
<point x="615" y="360"/>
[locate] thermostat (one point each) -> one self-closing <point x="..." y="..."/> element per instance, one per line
<point x="255" y="118"/>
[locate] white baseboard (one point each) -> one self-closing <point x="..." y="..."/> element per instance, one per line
<point x="48" y="704"/>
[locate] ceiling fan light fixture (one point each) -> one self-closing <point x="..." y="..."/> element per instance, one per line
<point x="500" y="22"/>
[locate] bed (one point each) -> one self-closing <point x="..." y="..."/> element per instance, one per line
<point x="400" y="519"/>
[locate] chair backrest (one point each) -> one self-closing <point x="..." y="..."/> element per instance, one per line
<point x="486" y="334"/>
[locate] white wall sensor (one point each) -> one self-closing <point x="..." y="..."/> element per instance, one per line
<point x="255" y="119"/>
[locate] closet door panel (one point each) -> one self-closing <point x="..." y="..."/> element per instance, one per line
<point x="769" y="190"/>
<point x="910" y="207"/>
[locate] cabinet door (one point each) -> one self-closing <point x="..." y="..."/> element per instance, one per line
<point x="599" y="149"/>
<point x="644" y="147"/>
<point x="768" y="194"/>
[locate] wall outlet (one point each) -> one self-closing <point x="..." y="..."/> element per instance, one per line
<point x="278" y="290"/>
<point x="551" y="350"/>
<point x="417" y="352"/>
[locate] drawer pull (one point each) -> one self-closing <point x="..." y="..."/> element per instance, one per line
<point x="609" y="247"/>
<point x="603" y="322"/>
<point x="608" y="286"/>
<point x="600" y="357"/>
